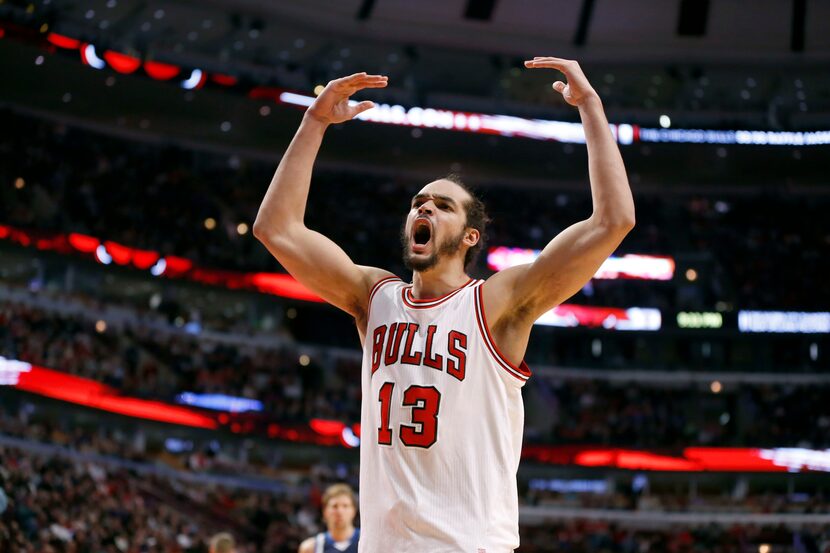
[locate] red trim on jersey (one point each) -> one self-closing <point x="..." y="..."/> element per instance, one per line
<point x="425" y="303"/>
<point x="377" y="286"/>
<point x="522" y="372"/>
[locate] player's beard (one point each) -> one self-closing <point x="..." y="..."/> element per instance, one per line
<point x="449" y="247"/>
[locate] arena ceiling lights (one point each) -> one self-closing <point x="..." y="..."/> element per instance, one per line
<point x="161" y="71"/>
<point x="430" y="118"/>
<point x="122" y="63"/>
<point x="63" y="41"/>
<point x="127" y="64"/>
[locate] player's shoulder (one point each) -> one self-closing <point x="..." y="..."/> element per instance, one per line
<point x="374" y="275"/>
<point x="375" y="279"/>
<point x="307" y="546"/>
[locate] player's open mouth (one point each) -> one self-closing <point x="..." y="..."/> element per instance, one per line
<point x="421" y="235"/>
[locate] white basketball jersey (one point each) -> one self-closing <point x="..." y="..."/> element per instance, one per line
<point x="441" y="426"/>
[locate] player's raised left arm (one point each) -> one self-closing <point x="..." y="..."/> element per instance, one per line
<point x="574" y="255"/>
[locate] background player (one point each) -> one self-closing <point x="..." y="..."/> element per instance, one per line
<point x="459" y="492"/>
<point x="339" y="512"/>
<point x="222" y="542"/>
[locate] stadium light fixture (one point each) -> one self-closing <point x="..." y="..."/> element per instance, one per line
<point x="90" y="57"/>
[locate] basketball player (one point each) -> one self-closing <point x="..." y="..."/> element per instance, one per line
<point x="443" y="366"/>
<point x="339" y="511"/>
<point x="222" y="543"/>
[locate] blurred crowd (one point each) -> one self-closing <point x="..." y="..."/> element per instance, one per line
<point x="160" y="198"/>
<point x="662" y="501"/>
<point x="70" y="503"/>
<point x="59" y="505"/>
<point x="255" y="458"/>
<point x="296" y="387"/>
<point x="53" y="178"/>
<point x="603" y="537"/>
<point x="600" y="412"/>
<point x="181" y="450"/>
<point x="146" y="363"/>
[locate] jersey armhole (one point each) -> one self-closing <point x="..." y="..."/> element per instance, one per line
<point x="522" y="371"/>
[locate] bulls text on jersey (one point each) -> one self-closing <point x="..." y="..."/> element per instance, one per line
<point x="392" y="344"/>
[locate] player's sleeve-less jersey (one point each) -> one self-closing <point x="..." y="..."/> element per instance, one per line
<point x="441" y="426"/>
<point x="324" y="543"/>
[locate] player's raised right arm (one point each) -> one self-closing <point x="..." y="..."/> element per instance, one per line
<point x="313" y="259"/>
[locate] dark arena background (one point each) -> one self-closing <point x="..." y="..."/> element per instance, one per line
<point x="162" y="378"/>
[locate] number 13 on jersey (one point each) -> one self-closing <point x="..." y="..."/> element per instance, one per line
<point x="424" y="401"/>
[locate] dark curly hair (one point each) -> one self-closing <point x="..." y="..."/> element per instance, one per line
<point x="477" y="218"/>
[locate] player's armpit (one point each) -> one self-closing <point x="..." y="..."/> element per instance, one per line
<point x="523" y="293"/>
<point x="322" y="266"/>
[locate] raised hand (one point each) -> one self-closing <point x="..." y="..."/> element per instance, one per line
<point x="332" y="105"/>
<point x="578" y="90"/>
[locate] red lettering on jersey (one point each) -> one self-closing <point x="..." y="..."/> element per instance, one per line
<point x="425" y="401"/>
<point x="409" y="358"/>
<point x="457" y="347"/>
<point x="436" y="362"/>
<point x="377" y="346"/>
<point x="385" y="399"/>
<point x="393" y="346"/>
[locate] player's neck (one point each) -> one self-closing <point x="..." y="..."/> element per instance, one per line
<point x="438" y="281"/>
<point x="341" y="534"/>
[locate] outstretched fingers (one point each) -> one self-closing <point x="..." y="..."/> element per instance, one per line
<point x="540" y="62"/>
<point x="379" y="82"/>
<point x="361" y="80"/>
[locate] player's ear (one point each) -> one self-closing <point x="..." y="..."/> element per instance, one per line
<point x="472" y="237"/>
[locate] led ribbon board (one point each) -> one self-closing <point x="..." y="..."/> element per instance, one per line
<point x="699" y="319"/>
<point x="10" y="371"/>
<point x="220" y="402"/>
<point x="628" y="266"/>
<point x="784" y="322"/>
<point x="480" y="123"/>
<point x="609" y="318"/>
<point x="689" y="459"/>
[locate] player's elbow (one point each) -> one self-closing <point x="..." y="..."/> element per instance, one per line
<point x="270" y="235"/>
<point x="265" y="229"/>
<point x="280" y="239"/>
<point x="260" y="230"/>
<point x="620" y="223"/>
<point x="626" y="222"/>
